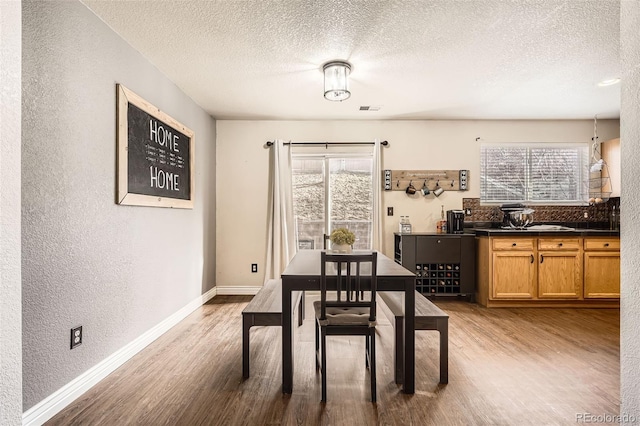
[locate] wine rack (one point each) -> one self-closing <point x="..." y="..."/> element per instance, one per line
<point x="434" y="278"/>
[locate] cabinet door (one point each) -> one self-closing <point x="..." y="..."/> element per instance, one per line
<point x="559" y="275"/>
<point x="514" y="275"/>
<point x="601" y="275"/>
<point x="438" y="249"/>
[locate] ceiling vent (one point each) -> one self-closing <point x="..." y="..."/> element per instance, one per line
<point x="370" y="108"/>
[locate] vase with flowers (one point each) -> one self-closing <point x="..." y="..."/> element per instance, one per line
<point x="342" y="240"/>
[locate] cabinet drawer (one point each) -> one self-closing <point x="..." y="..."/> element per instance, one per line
<point x="602" y="243"/>
<point x="559" y="244"/>
<point x="512" y="243"/>
<point x="437" y="249"/>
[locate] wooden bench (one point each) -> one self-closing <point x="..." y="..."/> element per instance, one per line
<point x="428" y="317"/>
<point x="266" y="309"/>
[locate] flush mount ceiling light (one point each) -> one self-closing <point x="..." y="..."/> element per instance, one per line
<point x="336" y="80"/>
<point x="609" y="82"/>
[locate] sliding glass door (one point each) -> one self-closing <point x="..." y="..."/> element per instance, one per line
<point x="329" y="192"/>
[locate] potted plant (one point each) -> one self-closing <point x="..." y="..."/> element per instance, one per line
<point x="341" y="240"/>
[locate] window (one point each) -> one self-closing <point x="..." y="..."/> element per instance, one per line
<point x="332" y="191"/>
<point x="541" y="173"/>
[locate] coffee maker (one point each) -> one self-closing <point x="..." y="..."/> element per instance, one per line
<point x="455" y="221"/>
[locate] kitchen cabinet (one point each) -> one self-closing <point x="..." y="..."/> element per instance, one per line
<point x="444" y="264"/>
<point x="601" y="268"/>
<point x="554" y="270"/>
<point x="559" y="268"/>
<point x="611" y="155"/>
<point x="513" y="268"/>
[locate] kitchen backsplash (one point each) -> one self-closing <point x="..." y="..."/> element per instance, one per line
<point x="597" y="215"/>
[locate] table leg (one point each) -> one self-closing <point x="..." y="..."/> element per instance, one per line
<point x="247" y="322"/>
<point x="287" y="338"/>
<point x="409" y="336"/>
<point x="443" y="328"/>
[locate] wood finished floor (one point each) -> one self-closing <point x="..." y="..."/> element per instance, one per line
<point x="506" y="367"/>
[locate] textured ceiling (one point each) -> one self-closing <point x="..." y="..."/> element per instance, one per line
<point x="442" y="59"/>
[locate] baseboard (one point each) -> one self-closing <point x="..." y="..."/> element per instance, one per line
<point x="57" y="401"/>
<point x="238" y="291"/>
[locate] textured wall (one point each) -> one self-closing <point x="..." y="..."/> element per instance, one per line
<point x="10" y="313"/>
<point x="115" y="270"/>
<point x="414" y="145"/>
<point x="630" y="231"/>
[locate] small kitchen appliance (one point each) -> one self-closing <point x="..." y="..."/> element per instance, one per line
<point x="455" y="221"/>
<point x="516" y="216"/>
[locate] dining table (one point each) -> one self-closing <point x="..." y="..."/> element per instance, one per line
<point x="303" y="273"/>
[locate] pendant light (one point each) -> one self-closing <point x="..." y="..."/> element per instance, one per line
<point x="336" y="80"/>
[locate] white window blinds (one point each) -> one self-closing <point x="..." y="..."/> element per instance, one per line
<point x="540" y="173"/>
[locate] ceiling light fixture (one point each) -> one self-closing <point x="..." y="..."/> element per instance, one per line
<point x="336" y="80"/>
<point x="609" y="82"/>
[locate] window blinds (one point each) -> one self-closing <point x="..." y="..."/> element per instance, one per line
<point x="539" y="173"/>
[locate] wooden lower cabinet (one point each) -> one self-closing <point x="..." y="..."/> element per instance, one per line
<point x="559" y="268"/>
<point x="514" y="275"/>
<point x="601" y="268"/>
<point x="559" y="271"/>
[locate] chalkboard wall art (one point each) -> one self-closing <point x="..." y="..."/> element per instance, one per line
<point x="155" y="155"/>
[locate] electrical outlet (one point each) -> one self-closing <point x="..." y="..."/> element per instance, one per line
<point x="254" y="268"/>
<point x="586" y="215"/>
<point x="467" y="212"/>
<point x="76" y="337"/>
<point x="389" y="211"/>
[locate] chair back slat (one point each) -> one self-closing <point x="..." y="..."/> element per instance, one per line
<point x="350" y="282"/>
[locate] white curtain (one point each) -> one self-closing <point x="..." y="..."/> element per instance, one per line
<point x="281" y="236"/>
<point x="377" y="197"/>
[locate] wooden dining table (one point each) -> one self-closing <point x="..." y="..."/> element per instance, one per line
<point x="303" y="273"/>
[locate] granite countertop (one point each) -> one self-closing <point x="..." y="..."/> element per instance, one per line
<point x="440" y="234"/>
<point x="533" y="231"/>
<point x="578" y="232"/>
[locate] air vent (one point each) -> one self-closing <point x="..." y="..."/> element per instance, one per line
<point x="370" y="108"/>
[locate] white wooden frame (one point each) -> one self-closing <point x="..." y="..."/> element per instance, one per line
<point x="124" y="98"/>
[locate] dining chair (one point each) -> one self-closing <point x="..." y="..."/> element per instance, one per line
<point x="351" y="309"/>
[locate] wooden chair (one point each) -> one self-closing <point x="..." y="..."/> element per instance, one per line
<point x="348" y="313"/>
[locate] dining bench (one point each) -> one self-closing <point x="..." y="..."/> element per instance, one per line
<point x="428" y="317"/>
<point x="266" y="309"/>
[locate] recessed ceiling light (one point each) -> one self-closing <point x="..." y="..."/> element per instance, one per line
<point x="609" y="82"/>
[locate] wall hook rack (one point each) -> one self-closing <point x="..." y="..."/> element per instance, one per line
<point x="431" y="179"/>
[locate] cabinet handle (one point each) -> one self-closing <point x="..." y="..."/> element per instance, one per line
<point x="606" y="244"/>
<point x="513" y="245"/>
<point x="541" y="258"/>
<point x="531" y="258"/>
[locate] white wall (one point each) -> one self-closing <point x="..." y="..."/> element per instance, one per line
<point x="116" y="270"/>
<point x="243" y="170"/>
<point x="630" y="231"/>
<point x="10" y="312"/>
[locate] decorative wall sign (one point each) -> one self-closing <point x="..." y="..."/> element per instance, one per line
<point x="155" y="155"/>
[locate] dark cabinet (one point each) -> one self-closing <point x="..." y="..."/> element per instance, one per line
<point x="444" y="264"/>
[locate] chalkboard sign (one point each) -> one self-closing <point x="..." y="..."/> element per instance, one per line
<point x="155" y="155"/>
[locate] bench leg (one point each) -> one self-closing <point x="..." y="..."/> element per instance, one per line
<point x="301" y="310"/>
<point x="443" y="328"/>
<point x="398" y="353"/>
<point x="247" y="322"/>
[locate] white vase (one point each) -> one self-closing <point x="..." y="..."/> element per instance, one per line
<point x="340" y="248"/>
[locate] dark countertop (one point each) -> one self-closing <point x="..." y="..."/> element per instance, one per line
<point x="578" y="232"/>
<point x="499" y="232"/>
<point x="439" y="234"/>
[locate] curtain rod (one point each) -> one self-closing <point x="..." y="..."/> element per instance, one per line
<point x="384" y="143"/>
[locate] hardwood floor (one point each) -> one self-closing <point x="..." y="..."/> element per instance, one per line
<point x="522" y="366"/>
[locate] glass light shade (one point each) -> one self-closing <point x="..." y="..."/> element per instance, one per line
<point x="336" y="81"/>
